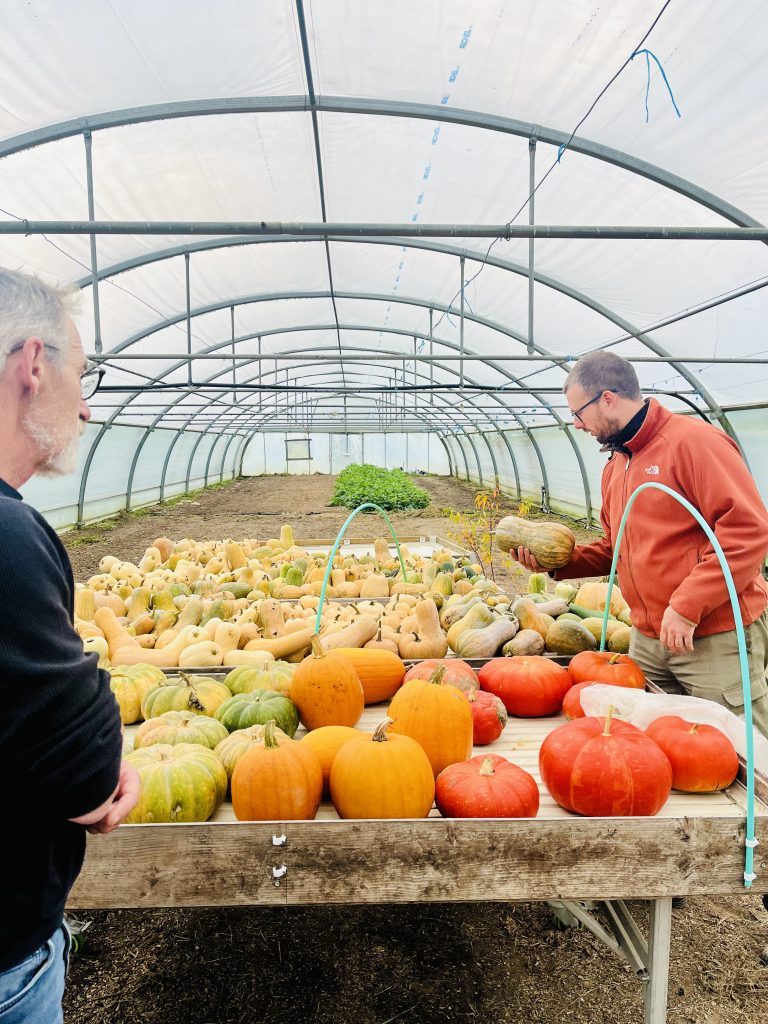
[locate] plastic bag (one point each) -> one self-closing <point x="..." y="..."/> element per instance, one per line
<point x="640" y="708"/>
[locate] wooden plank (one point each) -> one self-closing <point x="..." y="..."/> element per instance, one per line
<point x="415" y="861"/>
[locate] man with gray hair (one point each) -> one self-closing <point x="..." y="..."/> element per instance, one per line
<point x="683" y="629"/>
<point x="60" y="742"/>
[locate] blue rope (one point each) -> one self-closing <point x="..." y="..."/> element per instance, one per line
<point x="648" y="55"/>
<point x="749" y="841"/>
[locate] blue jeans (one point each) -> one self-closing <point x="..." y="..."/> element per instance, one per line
<point x="31" y="992"/>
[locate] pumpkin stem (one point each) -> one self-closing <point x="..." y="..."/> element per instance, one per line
<point x="437" y="675"/>
<point x="317" y="647"/>
<point x="486" y="768"/>
<point x="694" y="728"/>
<point x="614" y="660"/>
<point x="380" y="732"/>
<point x="270" y="740"/>
<point x="608" y="717"/>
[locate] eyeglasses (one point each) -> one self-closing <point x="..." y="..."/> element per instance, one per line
<point x="576" y="413"/>
<point x="90" y="378"/>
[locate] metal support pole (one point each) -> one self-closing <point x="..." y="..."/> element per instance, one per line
<point x="415" y="382"/>
<point x="431" y="358"/>
<point x="234" y="362"/>
<point x="259" y="367"/>
<point x="655" y="989"/>
<point x="167" y="459"/>
<point x="94" y="262"/>
<point x="531" y="202"/>
<point x="461" y="325"/>
<point x="189" y="318"/>
<point x="132" y="470"/>
<point x="224" y="457"/>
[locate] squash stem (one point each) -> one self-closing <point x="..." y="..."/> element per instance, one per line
<point x="380" y="732"/>
<point x="437" y="675"/>
<point x="608" y="717"/>
<point x="317" y="647"/>
<point x="486" y="768"/>
<point x="270" y="740"/>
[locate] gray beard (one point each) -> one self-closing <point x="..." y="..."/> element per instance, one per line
<point x="57" y="451"/>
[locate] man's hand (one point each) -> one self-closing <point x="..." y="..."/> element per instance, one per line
<point x="526" y="559"/>
<point x="124" y="799"/>
<point x="676" y="632"/>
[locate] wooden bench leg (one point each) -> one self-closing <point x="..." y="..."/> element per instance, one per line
<point x="659" y="933"/>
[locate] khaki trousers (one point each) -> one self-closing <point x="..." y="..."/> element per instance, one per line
<point x="711" y="670"/>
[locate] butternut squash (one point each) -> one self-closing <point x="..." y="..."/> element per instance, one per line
<point x="478" y="616"/>
<point x="551" y="544"/>
<point x="116" y="635"/>
<point x="282" y="646"/>
<point x="486" y="641"/>
<point x="355" y="634"/>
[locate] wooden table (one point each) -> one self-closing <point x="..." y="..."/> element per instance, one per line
<point x="695" y="845"/>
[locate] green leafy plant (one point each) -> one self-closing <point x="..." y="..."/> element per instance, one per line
<point x="390" y="488"/>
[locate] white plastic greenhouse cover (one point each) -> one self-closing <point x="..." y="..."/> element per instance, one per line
<point x="399" y="113"/>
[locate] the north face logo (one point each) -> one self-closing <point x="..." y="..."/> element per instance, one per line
<point x="652" y="470"/>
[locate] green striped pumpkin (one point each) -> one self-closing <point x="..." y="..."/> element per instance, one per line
<point x="257" y="708"/>
<point x="182" y="783"/>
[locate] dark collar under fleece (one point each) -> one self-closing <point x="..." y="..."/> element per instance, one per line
<point x="618" y="442"/>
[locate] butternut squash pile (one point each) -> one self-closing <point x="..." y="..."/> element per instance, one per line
<point x="190" y="604"/>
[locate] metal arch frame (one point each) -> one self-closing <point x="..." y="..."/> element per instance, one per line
<point x="448" y="405"/>
<point x="356" y="105"/>
<point x="134" y="339"/>
<point x="493" y="325"/>
<point x="176" y="401"/>
<point x="256" y="427"/>
<point x="476" y="119"/>
<point x="184" y="427"/>
<point x="715" y="410"/>
<point x="369" y="296"/>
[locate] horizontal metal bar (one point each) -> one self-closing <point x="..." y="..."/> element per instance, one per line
<point x="348" y="230"/>
<point x="104" y="357"/>
<point x="338" y="389"/>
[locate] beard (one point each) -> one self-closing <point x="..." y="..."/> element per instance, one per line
<point x="607" y="428"/>
<point x="58" y="445"/>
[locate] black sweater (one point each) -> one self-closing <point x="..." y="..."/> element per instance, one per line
<point x="60" y="741"/>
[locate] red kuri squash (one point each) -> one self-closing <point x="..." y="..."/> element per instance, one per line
<point x="603" y="768"/>
<point x="530" y="687"/>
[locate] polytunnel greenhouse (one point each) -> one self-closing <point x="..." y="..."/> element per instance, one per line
<point x="310" y="238"/>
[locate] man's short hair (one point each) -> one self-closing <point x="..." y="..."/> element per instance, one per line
<point x="604" y="371"/>
<point x="28" y="308"/>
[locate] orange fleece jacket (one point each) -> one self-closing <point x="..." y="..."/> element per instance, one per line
<point x="665" y="557"/>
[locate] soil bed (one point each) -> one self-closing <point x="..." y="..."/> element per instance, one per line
<point x="430" y="964"/>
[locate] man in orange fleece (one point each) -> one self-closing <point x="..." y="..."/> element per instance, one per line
<point x="683" y="630"/>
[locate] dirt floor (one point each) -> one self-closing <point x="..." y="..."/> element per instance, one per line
<point x="426" y="964"/>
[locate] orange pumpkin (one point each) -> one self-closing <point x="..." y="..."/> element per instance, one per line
<point x="382" y="776"/>
<point x="486" y="786"/>
<point x="327" y="689"/>
<point x="572" y="701"/>
<point x="326" y="742"/>
<point x="436" y="715"/>
<point x="457" y="672"/>
<point x="602" y="768"/>
<point x="703" y="758"/>
<point x="277" y="781"/>
<point x="381" y="672"/>
<point x="604" y="667"/>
